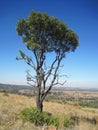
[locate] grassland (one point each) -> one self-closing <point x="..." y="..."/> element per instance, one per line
<point x="84" y="117"/>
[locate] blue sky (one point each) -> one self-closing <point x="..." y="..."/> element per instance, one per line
<point x="80" y="15"/>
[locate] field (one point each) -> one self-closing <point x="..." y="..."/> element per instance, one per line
<point x="76" y="105"/>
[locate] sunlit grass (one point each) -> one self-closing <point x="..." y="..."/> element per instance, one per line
<point x="11" y="105"/>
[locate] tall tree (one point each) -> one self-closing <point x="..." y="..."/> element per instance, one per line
<point x="42" y="35"/>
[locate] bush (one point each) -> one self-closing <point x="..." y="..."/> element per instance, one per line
<point x="53" y="121"/>
<point x="38" y="118"/>
<point x="67" y="122"/>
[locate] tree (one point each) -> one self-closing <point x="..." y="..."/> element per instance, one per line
<point x="42" y="35"/>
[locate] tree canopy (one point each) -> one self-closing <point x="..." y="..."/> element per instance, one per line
<point x="41" y="32"/>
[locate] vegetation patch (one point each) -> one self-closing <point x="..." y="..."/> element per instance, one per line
<point x="92" y="103"/>
<point x="67" y="122"/>
<point x="42" y="118"/>
<point x="38" y="118"/>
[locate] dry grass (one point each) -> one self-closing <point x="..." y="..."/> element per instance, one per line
<point x="11" y="105"/>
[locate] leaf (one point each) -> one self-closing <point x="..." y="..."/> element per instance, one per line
<point x="17" y="58"/>
<point x="22" y="54"/>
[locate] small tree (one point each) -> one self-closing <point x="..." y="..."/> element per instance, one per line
<point x="43" y="35"/>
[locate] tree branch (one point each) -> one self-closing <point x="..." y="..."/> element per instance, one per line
<point x="58" y="60"/>
<point x="50" y="71"/>
<point x="31" y="84"/>
<point x="27" y="59"/>
<point x="30" y="77"/>
<point x="58" y="83"/>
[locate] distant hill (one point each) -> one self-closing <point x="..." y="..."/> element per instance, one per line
<point x="13" y="88"/>
<point x="77" y="88"/>
<point x="27" y="89"/>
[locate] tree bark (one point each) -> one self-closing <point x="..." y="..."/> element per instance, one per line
<point x="40" y="106"/>
<point x="39" y="103"/>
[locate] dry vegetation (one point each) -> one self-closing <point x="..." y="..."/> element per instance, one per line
<point x="12" y="104"/>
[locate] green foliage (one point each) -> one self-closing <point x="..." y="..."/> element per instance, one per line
<point x="53" y="120"/>
<point x="92" y="104"/>
<point x="22" y="54"/>
<point x="38" y="118"/>
<point x="67" y="122"/>
<point x="35" y="116"/>
<point x="46" y="33"/>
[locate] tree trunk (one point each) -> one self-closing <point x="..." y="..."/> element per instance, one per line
<point x="39" y="104"/>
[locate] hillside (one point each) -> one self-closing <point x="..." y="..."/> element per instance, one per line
<point x="11" y="105"/>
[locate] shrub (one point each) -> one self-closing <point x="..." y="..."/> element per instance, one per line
<point x="67" y="122"/>
<point x="38" y="118"/>
<point x="53" y="121"/>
